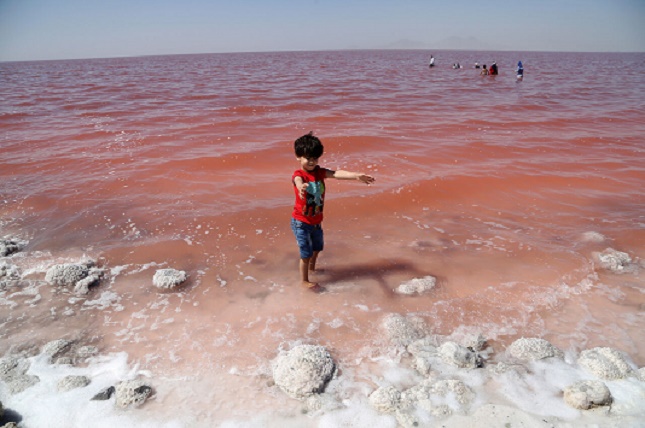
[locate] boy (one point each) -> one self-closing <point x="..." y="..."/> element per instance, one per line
<point x="309" y="188"/>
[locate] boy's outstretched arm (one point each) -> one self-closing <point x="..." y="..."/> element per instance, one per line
<point x="347" y="175"/>
<point x="301" y="186"/>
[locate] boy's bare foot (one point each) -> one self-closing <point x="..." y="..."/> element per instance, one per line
<point x="318" y="289"/>
<point x="313" y="286"/>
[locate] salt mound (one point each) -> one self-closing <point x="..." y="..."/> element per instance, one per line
<point x="9" y="246"/>
<point x="459" y="356"/>
<point x="457" y="388"/>
<point x="72" y="382"/>
<point x="587" y="394"/>
<point x="168" y="279"/>
<point x="641" y="374"/>
<point x="439" y="398"/>
<point x="56" y="347"/>
<point x="469" y="338"/>
<point x="87" y="351"/>
<point x="385" y="399"/>
<point x="423" y="351"/>
<point x="412" y="396"/>
<point x="532" y="349"/>
<point x="79" y="275"/>
<point x="13" y="372"/>
<point x="593" y="237"/>
<point x="9" y="274"/>
<point x="417" y="286"/>
<point x="400" y="330"/>
<point x="606" y="363"/>
<point x="131" y="393"/>
<point x="303" y="371"/>
<point x="615" y="261"/>
<point x="322" y="403"/>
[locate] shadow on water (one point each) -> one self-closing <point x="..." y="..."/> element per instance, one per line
<point x="379" y="271"/>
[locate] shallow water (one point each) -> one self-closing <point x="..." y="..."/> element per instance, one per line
<point x="489" y="184"/>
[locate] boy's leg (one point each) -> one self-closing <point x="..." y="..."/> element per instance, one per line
<point x="317" y="244"/>
<point x="306" y="243"/>
<point x="305" y="266"/>
<point x="312" y="261"/>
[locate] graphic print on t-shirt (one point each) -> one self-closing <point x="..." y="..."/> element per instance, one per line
<point x="315" y="201"/>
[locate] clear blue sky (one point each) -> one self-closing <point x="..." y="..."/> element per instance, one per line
<point x="62" y="29"/>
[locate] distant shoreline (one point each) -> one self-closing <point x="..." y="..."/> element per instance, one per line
<point x="424" y="50"/>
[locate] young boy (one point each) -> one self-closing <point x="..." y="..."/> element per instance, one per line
<point x="309" y="188"/>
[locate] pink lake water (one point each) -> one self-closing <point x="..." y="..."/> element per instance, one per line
<point x="501" y="189"/>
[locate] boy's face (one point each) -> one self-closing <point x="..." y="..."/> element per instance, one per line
<point x="307" y="164"/>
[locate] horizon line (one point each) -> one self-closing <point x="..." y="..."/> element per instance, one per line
<point x="314" y="50"/>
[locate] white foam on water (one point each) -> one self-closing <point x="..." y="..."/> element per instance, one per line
<point x="42" y="405"/>
<point x="355" y="416"/>
<point x="540" y="390"/>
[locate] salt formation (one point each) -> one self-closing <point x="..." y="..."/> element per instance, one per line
<point x="593" y="237"/>
<point x="532" y="349"/>
<point x="87" y="351"/>
<point x="615" y="261"/>
<point x="606" y="363"/>
<point x="641" y="374"/>
<point x="303" y="371"/>
<point x="423" y="351"/>
<point x="439" y="398"/>
<point x="9" y="246"/>
<point x="418" y="395"/>
<point x="456" y="388"/>
<point x="54" y="348"/>
<point x="72" y="382"/>
<point x="168" y="279"/>
<point x="417" y="286"/>
<point x="131" y="393"/>
<point x="9" y="274"/>
<point x="459" y="356"/>
<point x="587" y="394"/>
<point x="322" y="403"/>
<point x="471" y="340"/>
<point x="13" y="372"/>
<point x="385" y="399"/>
<point x="400" y="330"/>
<point x="79" y="275"/>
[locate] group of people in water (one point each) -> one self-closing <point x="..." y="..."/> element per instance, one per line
<point x="492" y="71"/>
<point x="486" y="71"/>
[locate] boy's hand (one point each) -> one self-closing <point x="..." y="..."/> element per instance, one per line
<point x="367" y="179"/>
<point x="303" y="190"/>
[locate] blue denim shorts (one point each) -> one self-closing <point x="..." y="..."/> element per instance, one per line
<point x="309" y="238"/>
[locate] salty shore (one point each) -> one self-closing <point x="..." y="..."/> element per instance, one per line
<point x="418" y="378"/>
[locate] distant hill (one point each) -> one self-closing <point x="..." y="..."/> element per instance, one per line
<point x="451" y="43"/>
<point x="407" y="44"/>
<point x="463" y="43"/>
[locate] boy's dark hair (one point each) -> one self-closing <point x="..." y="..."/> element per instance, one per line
<point x="308" y="146"/>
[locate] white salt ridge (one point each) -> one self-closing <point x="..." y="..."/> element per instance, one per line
<point x="417" y="286"/>
<point x="168" y="279"/>
<point x="107" y="299"/>
<point x="593" y="237"/>
<point x="615" y="261"/>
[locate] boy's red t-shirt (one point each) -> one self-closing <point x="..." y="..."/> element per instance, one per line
<point x="310" y="208"/>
